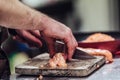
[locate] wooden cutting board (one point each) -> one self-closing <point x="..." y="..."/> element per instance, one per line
<point x="75" y="68"/>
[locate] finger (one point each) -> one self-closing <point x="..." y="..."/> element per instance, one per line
<point x="71" y="48"/>
<point x="18" y="38"/>
<point x="36" y="33"/>
<point x="71" y="44"/>
<point x="51" y="45"/>
<point x="31" y="38"/>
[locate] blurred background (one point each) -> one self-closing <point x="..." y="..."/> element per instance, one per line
<point x="79" y="15"/>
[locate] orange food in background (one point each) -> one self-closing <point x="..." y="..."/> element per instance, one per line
<point x="99" y="37"/>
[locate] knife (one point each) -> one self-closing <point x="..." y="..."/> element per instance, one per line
<point x="78" y="54"/>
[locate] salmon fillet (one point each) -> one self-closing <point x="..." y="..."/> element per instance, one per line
<point x="99" y="52"/>
<point x="99" y="37"/>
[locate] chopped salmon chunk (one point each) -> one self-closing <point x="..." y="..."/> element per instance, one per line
<point x="58" y="61"/>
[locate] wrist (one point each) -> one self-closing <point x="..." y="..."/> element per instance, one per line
<point x="38" y="21"/>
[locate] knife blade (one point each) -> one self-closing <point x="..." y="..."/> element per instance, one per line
<point x="78" y="54"/>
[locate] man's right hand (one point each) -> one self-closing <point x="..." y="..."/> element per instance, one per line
<point x="55" y="30"/>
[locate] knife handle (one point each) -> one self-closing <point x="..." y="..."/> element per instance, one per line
<point x="60" y="47"/>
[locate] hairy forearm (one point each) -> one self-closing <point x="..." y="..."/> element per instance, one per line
<point x="14" y="14"/>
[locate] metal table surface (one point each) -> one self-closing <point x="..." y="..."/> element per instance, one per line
<point x="106" y="72"/>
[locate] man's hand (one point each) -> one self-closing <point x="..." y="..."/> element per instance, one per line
<point x="15" y="15"/>
<point x="60" y="31"/>
<point x="56" y="30"/>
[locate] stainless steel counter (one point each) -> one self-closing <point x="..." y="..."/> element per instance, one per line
<point x="106" y="72"/>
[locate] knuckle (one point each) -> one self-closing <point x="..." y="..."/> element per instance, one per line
<point x="24" y="34"/>
<point x="68" y="31"/>
<point x="76" y="44"/>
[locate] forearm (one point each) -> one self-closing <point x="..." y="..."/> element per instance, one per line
<point x="14" y="14"/>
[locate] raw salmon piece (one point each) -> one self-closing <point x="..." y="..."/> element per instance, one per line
<point x="99" y="52"/>
<point x="99" y="37"/>
<point x="58" y="60"/>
